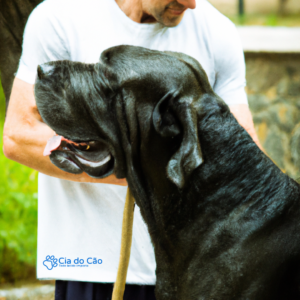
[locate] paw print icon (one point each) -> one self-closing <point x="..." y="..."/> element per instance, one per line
<point x="50" y="262"/>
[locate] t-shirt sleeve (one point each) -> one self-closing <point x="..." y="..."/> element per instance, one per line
<point x="229" y="65"/>
<point x="43" y="41"/>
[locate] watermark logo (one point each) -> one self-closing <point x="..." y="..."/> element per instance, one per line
<point x="50" y="262"/>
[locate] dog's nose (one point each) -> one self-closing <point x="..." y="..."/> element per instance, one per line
<point x="188" y="3"/>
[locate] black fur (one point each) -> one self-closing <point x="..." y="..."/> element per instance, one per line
<point x="223" y="219"/>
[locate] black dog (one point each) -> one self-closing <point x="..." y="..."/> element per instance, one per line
<point x="223" y="219"/>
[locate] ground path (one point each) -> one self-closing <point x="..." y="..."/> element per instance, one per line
<point x="28" y="292"/>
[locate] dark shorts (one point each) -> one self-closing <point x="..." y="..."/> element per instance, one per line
<point x="77" y="290"/>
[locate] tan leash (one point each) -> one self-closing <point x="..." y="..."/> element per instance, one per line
<point x="126" y="240"/>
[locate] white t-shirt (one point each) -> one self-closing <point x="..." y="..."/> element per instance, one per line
<point x="79" y="224"/>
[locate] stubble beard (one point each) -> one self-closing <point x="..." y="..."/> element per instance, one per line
<point x="167" y="19"/>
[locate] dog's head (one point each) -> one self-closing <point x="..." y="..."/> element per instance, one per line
<point x="134" y="110"/>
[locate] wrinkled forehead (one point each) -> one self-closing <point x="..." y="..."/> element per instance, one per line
<point x="139" y="65"/>
<point x="139" y="59"/>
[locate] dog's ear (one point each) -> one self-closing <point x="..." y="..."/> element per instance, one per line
<point x="164" y="120"/>
<point x="172" y="116"/>
<point x="44" y="69"/>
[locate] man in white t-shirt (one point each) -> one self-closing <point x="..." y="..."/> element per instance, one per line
<point x="79" y="223"/>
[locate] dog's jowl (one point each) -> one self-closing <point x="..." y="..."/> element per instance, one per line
<point x="223" y="219"/>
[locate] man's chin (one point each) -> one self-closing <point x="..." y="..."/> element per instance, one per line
<point x="171" y="20"/>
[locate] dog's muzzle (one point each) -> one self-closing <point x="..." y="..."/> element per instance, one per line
<point x="91" y="157"/>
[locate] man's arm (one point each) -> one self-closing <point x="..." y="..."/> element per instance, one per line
<point x="243" y="115"/>
<point x="25" y="137"/>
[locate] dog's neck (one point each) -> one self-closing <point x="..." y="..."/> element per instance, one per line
<point x="237" y="181"/>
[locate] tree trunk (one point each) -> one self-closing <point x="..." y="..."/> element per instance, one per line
<point x="241" y="7"/>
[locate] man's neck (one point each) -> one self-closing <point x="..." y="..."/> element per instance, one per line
<point x="134" y="10"/>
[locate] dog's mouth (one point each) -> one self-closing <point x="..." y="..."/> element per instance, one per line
<point x="93" y="157"/>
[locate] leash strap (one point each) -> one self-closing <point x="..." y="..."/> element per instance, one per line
<point x="126" y="240"/>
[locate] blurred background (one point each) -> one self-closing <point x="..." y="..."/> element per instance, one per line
<point x="257" y="12"/>
<point x="270" y="34"/>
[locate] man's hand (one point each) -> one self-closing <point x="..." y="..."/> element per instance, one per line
<point x="26" y="135"/>
<point x="243" y="115"/>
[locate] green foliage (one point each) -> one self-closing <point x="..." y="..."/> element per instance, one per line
<point x="272" y="20"/>
<point x="240" y="20"/>
<point x="18" y="215"/>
